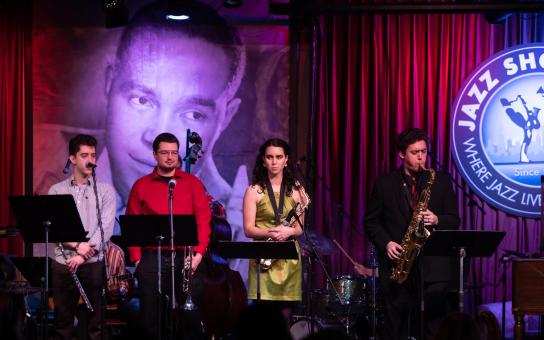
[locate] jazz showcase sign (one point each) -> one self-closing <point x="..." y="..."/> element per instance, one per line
<point x="497" y="133"/>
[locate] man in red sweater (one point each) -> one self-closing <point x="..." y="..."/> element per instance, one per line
<point x="149" y="196"/>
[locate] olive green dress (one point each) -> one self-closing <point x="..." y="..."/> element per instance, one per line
<point x="283" y="281"/>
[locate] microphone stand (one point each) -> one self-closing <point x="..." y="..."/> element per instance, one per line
<point x="172" y="257"/>
<point x="471" y="201"/>
<point x="316" y="254"/>
<point x="106" y="272"/>
<point x="341" y="211"/>
<point x="373" y="305"/>
<point x="344" y="214"/>
<point x="505" y="260"/>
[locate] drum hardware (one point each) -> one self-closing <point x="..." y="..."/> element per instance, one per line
<point x="314" y="253"/>
<point x="373" y="304"/>
<point x="372" y="283"/>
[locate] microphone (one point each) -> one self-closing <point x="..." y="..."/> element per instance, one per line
<point x="171" y="185"/>
<point x="67" y="167"/>
<point x="90" y="165"/>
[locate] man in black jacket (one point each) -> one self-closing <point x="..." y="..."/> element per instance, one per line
<point x="387" y="216"/>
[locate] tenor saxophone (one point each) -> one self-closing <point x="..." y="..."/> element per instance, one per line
<point x="415" y="235"/>
<point x="299" y="208"/>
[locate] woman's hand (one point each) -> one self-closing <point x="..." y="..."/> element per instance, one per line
<point x="281" y="233"/>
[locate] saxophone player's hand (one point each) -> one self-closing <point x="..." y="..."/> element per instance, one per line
<point x="393" y="250"/>
<point x="428" y="218"/>
<point x="281" y="233"/>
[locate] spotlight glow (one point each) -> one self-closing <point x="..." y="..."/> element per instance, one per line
<point x="177" y="17"/>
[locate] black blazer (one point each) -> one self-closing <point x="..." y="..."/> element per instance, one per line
<point x="387" y="216"/>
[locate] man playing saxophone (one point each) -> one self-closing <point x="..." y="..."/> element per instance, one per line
<point x="78" y="269"/>
<point x="404" y="201"/>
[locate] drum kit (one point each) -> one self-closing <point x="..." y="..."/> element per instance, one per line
<point x="347" y="305"/>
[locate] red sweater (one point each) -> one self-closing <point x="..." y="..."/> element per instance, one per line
<point x="149" y="195"/>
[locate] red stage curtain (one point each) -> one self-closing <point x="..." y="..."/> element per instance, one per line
<point x="378" y="74"/>
<point x="12" y="113"/>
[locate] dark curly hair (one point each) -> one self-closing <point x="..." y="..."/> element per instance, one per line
<point x="76" y="142"/>
<point x="260" y="174"/>
<point x="410" y="136"/>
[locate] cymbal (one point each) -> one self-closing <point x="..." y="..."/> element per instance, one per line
<point x="323" y="245"/>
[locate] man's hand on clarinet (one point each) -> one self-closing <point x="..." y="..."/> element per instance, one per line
<point x="74" y="262"/>
<point x="86" y="250"/>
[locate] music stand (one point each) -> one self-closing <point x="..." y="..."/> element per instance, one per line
<point x="143" y="230"/>
<point x="32" y="270"/>
<point x="462" y="243"/>
<point x="47" y="218"/>
<point x="258" y="250"/>
<point x="150" y="230"/>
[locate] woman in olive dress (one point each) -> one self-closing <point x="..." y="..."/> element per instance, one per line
<point x="274" y="192"/>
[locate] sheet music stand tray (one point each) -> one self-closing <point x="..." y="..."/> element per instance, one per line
<point x="144" y="230"/>
<point x="258" y="250"/>
<point x="462" y="243"/>
<point x="150" y="231"/>
<point x="32" y="269"/>
<point x="47" y="218"/>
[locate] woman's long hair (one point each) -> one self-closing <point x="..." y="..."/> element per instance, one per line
<point x="260" y="174"/>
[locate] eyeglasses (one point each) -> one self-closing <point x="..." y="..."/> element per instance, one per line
<point x="166" y="153"/>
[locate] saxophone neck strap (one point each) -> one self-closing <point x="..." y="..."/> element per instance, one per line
<point x="277" y="211"/>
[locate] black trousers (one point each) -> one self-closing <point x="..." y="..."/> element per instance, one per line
<point x="403" y="310"/>
<point x="155" y="310"/>
<point x="66" y="297"/>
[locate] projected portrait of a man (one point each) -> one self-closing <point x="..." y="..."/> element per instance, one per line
<point x="169" y="76"/>
<point x="128" y="84"/>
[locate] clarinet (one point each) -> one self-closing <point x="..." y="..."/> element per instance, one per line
<point x="78" y="284"/>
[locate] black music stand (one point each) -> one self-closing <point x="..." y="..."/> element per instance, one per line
<point x="32" y="270"/>
<point x="150" y="230"/>
<point x="143" y="230"/>
<point x="462" y="243"/>
<point x="258" y="250"/>
<point x="45" y="219"/>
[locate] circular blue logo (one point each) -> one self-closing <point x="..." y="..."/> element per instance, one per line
<point x="497" y="134"/>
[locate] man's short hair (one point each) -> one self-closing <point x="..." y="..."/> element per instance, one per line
<point x="204" y="23"/>
<point x="410" y="136"/>
<point x="77" y="141"/>
<point x="165" y="137"/>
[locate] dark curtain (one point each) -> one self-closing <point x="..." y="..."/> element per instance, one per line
<point x="379" y="74"/>
<point x="13" y="47"/>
